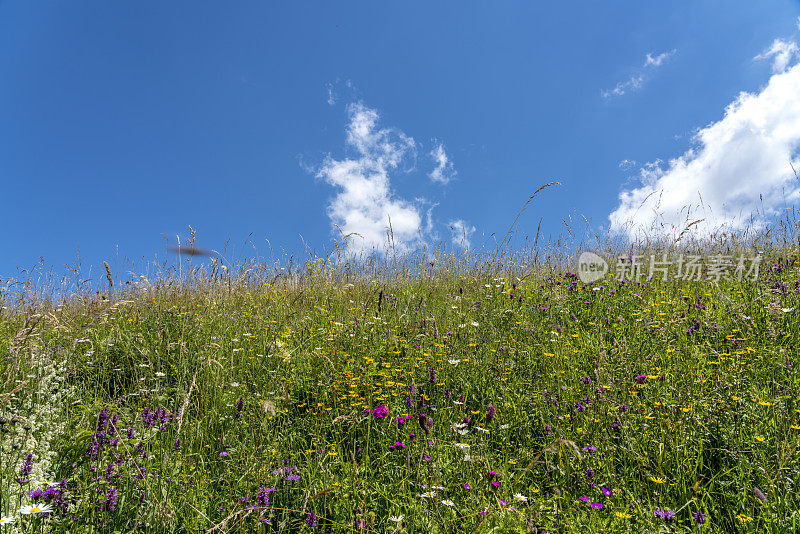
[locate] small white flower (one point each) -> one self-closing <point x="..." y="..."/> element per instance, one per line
<point x="159" y="374"/>
<point x="481" y="429"/>
<point x="504" y="427"/>
<point x="437" y="487"/>
<point x="396" y="518"/>
<point x="36" y="509"/>
<point x="235" y="384"/>
<point x="462" y="446"/>
<point x="429" y="495"/>
<point x="520" y="497"/>
<point x="6" y="520"/>
<point x="448" y="503"/>
<point x="463" y="432"/>
<point x="475" y="323"/>
<point x="454" y="362"/>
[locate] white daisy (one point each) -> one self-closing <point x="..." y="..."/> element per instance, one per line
<point x="429" y="495"/>
<point x="448" y="503"/>
<point x="520" y="497"/>
<point x="462" y="446"/>
<point x="454" y="362"/>
<point x="160" y="374"/>
<point x="36" y="509"/>
<point x="6" y="520"/>
<point x="481" y="429"/>
<point x="504" y="427"/>
<point x="437" y="487"/>
<point x="396" y="518"/>
<point x="463" y="432"/>
<point x="475" y="323"/>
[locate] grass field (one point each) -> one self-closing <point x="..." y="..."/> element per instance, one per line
<point x="466" y="395"/>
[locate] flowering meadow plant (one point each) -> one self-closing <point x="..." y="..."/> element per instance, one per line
<point x="505" y="396"/>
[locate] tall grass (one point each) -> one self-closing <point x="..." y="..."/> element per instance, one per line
<point x="436" y="392"/>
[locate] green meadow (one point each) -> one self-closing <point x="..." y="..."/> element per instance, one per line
<point x="450" y="394"/>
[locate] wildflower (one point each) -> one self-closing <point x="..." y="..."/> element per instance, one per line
<point x="427" y="458"/>
<point x="379" y="412"/>
<point x="453" y="362"/>
<point x="178" y="444"/>
<point x="587" y="380"/>
<point x="397" y="445"/>
<point x="432" y="375"/>
<point x="396" y="518"/>
<point x="623" y="515"/>
<point x="699" y="517"/>
<point x="496" y="484"/>
<point x="666" y="515"/>
<point x="36" y="509"/>
<point x="6" y="520"/>
<point x="744" y="518"/>
<point x="429" y="495"/>
<point x="639" y="379"/>
<point x="520" y="497"/>
<point x="490" y="411"/>
<point x="311" y="520"/>
<point x="584" y="498"/>
<point x="596" y="505"/>
<point x="466" y="486"/>
<point x="607" y="491"/>
<point x="223" y="454"/>
<point x="589" y="448"/>
<point x="448" y="503"/>
<point x="657" y="480"/>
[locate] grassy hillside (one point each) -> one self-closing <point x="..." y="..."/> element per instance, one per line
<point x="456" y="397"/>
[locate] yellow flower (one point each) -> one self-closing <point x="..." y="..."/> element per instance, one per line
<point x="658" y="480"/>
<point x="744" y="518"/>
<point x="760" y="438"/>
<point x="623" y="515"/>
<point x="763" y="403"/>
<point x="796" y="427"/>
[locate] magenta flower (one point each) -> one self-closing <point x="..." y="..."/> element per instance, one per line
<point x="596" y="505"/>
<point x="380" y="411"/>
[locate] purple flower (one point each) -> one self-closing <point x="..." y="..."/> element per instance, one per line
<point x="589" y="448"/>
<point x="432" y="375"/>
<point x="223" y="454"/>
<point x="596" y="505"/>
<point x="490" y="411"/>
<point x="639" y="379"/>
<point x="293" y="478"/>
<point x="427" y="458"/>
<point x="699" y="517"/>
<point x="311" y="520"/>
<point x="397" y="445"/>
<point x="584" y="498"/>
<point x="379" y="412"/>
<point x="666" y="515"/>
<point x="587" y="380"/>
<point x="466" y="486"/>
<point x="607" y="491"/>
<point x="178" y="444"/>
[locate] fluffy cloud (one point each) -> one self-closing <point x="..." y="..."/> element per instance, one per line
<point x="636" y="80"/>
<point x="782" y="52"/>
<point x="738" y="174"/>
<point x="461" y="233"/>
<point x="365" y="208"/>
<point x="444" y="171"/>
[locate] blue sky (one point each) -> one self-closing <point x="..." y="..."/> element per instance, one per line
<point x="257" y="123"/>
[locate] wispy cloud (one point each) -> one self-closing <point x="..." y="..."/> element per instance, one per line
<point x="365" y="207"/>
<point x="636" y="80"/>
<point x="444" y="171"/>
<point x="738" y="174"/>
<point x="781" y="52"/>
<point x="461" y="233"/>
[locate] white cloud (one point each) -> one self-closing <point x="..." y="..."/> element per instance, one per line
<point x="781" y="53"/>
<point x="738" y="174"/>
<point x="461" y="233"/>
<point x="656" y="61"/>
<point x="444" y="171"/>
<point x="798" y="23"/>
<point x="626" y="164"/>
<point x="636" y="80"/>
<point x="366" y="205"/>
